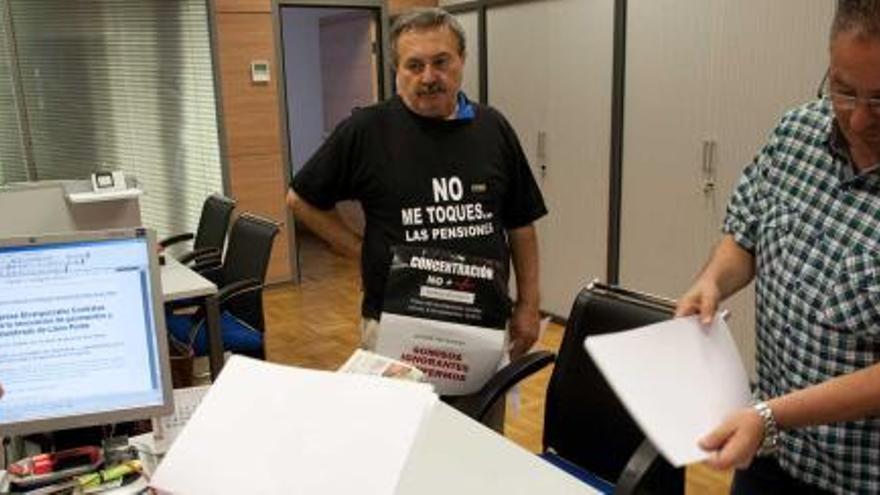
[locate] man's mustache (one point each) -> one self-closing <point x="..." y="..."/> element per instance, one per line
<point x="431" y="89"/>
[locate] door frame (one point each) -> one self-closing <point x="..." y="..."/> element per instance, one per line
<point x="379" y="8"/>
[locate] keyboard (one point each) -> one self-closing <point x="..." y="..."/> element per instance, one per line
<point x="186" y="401"/>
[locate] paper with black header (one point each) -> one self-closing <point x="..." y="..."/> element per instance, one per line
<point x="446" y="314"/>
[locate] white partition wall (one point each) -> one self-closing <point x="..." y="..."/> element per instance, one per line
<point x="706" y="82"/>
<point x="549" y="72"/>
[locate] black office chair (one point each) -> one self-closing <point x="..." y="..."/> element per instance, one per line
<point x="210" y="235"/>
<point x="240" y="280"/>
<point x="587" y="431"/>
<point x="478" y="404"/>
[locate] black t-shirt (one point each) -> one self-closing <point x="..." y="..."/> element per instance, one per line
<point x="450" y="184"/>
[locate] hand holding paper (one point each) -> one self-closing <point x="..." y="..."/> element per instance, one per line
<point x="734" y="442"/>
<point x="678" y="379"/>
<point x="702" y="299"/>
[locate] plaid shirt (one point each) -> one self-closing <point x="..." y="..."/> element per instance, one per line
<point x="813" y="226"/>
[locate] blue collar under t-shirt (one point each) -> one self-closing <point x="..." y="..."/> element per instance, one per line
<point x="465" y="108"/>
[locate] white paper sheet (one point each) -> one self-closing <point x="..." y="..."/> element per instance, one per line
<point x="268" y="429"/>
<point x="678" y="380"/>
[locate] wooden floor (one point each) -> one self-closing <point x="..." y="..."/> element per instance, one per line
<point x="314" y="325"/>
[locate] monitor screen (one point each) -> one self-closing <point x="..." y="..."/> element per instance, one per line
<point x="82" y="332"/>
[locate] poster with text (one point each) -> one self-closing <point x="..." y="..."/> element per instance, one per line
<point x="446" y="314"/>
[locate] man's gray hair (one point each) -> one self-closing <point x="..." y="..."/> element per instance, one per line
<point x="424" y="18"/>
<point x="860" y="16"/>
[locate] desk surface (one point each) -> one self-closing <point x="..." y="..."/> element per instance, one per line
<point x="179" y="282"/>
<point x="454" y="454"/>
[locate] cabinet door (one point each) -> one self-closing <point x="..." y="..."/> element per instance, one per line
<point x="550" y="74"/>
<point x="470" y="23"/>
<point x="767" y="57"/>
<point x="665" y="235"/>
<point x="706" y="83"/>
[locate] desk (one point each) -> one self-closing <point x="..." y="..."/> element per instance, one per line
<point x="455" y="454"/>
<point x="180" y="282"/>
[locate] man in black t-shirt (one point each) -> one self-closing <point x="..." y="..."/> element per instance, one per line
<point x="430" y="168"/>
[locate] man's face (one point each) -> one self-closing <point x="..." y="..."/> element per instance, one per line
<point x="429" y="71"/>
<point x="855" y="71"/>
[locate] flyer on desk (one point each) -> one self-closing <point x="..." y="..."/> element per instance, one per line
<point x="446" y="314"/>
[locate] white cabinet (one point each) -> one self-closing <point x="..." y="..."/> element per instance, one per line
<point x="549" y="72"/>
<point x="706" y="81"/>
<point x="469" y="21"/>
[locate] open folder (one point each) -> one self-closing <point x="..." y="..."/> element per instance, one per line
<point x="272" y="429"/>
<point x="678" y="379"/>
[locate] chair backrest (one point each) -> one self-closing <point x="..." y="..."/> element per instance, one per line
<point x="213" y="223"/>
<point x="584" y="421"/>
<point x="247" y="257"/>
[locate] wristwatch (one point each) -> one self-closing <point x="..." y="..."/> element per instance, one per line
<point x="770" y="443"/>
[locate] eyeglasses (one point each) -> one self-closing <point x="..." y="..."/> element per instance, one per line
<point x="849" y="102"/>
<point x="846" y="102"/>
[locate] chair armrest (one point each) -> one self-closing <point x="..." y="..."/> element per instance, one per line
<point x="209" y="267"/>
<point x="174" y="239"/>
<point x="198" y="255"/>
<point x="636" y="469"/>
<point x="224" y="295"/>
<point x="478" y="404"/>
<point x="237" y="289"/>
<point x="228" y="293"/>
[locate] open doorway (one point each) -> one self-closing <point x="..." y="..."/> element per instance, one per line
<point x="332" y="66"/>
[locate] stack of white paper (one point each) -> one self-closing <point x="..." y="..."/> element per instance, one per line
<point x="272" y="429"/>
<point x="678" y="379"/>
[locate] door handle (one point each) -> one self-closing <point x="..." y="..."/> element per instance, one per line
<point x="708" y="165"/>
<point x="541" y="153"/>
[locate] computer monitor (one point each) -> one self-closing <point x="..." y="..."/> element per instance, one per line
<point x="82" y="331"/>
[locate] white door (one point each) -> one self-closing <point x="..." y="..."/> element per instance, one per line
<point x="726" y="70"/>
<point x="549" y="72"/>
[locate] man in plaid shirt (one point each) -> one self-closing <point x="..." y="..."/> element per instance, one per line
<point x="805" y="221"/>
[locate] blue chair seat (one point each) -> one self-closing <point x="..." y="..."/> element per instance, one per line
<point x="238" y="336"/>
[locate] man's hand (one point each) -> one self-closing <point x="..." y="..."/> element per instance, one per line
<point x="730" y="269"/>
<point x="702" y="299"/>
<point x="736" y="441"/>
<point x="525" y="323"/>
